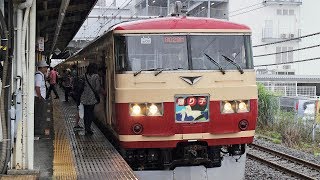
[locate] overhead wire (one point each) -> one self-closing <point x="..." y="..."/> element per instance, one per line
<point x="118" y="12"/>
<point x="106" y="9"/>
<point x="299" y="49"/>
<point x="273" y="64"/>
<point x="245" y="8"/>
<point x="110" y="19"/>
<point x="291" y="39"/>
<point x="248" y="11"/>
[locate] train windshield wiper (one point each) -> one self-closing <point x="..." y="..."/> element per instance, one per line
<point x="166" y="69"/>
<point x="138" y="72"/>
<point x="234" y="63"/>
<point x="216" y="63"/>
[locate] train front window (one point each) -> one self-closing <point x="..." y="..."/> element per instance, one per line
<point x="220" y="47"/>
<point x="146" y="52"/>
<point x="171" y="52"/>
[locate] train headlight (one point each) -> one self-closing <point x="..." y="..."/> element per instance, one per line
<point x="137" y="109"/>
<point x="146" y="109"/>
<point x="228" y="107"/>
<point x="243" y="106"/>
<point x="154" y="109"/>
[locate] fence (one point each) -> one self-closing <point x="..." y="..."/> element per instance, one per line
<point x="290" y="89"/>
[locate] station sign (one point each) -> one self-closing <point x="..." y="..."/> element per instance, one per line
<point x="40" y="43"/>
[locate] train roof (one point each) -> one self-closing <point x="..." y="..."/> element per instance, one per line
<point x="180" y="22"/>
<point x="170" y="24"/>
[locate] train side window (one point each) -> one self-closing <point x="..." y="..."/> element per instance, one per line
<point x="120" y="52"/>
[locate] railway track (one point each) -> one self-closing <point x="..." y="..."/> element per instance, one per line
<point x="283" y="162"/>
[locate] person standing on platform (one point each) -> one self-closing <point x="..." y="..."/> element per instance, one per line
<point x="52" y="81"/>
<point x="80" y="114"/>
<point x="40" y="106"/>
<point x="90" y="95"/>
<point x="67" y="81"/>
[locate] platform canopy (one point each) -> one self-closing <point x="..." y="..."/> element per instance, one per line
<point x="58" y="21"/>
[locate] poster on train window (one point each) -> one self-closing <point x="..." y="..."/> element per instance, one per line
<point x="192" y="108"/>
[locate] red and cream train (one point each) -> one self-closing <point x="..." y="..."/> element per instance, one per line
<point x="181" y="90"/>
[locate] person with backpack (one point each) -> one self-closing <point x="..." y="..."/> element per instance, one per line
<point x="90" y="96"/>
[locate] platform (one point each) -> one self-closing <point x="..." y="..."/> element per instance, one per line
<point x="77" y="156"/>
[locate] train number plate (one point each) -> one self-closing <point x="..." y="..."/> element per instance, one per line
<point x="192" y="108"/>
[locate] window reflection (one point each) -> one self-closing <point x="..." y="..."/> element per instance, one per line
<point x="157" y="52"/>
<point x="216" y="47"/>
<point x="170" y="52"/>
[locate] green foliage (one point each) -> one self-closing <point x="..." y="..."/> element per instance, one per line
<point x="267" y="106"/>
<point x="275" y="135"/>
<point x="316" y="151"/>
<point x="284" y="127"/>
<point x="276" y="141"/>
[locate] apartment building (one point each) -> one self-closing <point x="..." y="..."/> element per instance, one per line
<point x="271" y="21"/>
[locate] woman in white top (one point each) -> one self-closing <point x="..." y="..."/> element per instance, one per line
<point x="40" y="105"/>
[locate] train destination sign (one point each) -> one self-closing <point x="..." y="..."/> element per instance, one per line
<point x="174" y="39"/>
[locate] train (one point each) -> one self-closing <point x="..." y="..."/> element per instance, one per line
<point x="181" y="91"/>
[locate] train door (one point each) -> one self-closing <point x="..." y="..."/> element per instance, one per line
<point x="109" y="81"/>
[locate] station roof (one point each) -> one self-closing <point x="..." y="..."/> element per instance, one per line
<point x="58" y="21"/>
<point x="181" y="22"/>
<point x="298" y="78"/>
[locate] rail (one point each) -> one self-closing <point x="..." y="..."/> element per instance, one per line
<point x="314" y="169"/>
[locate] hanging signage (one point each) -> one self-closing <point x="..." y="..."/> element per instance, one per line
<point x="40" y="43"/>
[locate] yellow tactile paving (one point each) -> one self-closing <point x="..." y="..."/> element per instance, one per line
<point x="77" y="156"/>
<point x="63" y="164"/>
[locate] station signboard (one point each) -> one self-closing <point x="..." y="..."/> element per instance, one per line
<point x="41" y="44"/>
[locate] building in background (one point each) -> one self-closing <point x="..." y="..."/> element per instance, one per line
<point x="310" y="25"/>
<point x="278" y="20"/>
<point x="107" y="13"/>
<point x="271" y="21"/>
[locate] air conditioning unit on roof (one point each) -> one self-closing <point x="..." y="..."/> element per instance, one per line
<point x="283" y="36"/>
<point x="286" y="66"/>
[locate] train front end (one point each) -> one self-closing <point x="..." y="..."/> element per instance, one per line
<point x="185" y="91"/>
